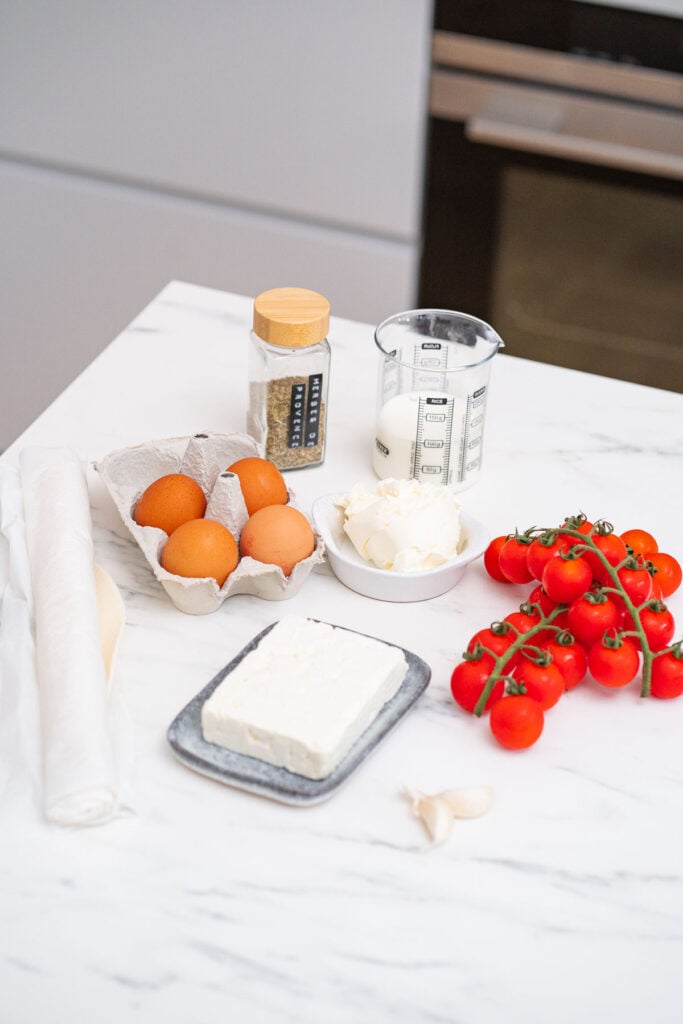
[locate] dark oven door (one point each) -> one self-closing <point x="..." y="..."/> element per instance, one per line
<point x="554" y="206"/>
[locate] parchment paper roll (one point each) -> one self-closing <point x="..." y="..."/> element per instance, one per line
<point x="80" y="775"/>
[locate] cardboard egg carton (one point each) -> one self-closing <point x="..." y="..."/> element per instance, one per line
<point x="127" y="472"/>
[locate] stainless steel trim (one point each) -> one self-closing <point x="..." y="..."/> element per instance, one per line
<point x="587" y="74"/>
<point x="573" y="147"/>
<point x="595" y="131"/>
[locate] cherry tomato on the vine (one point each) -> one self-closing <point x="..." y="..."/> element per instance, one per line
<point x="543" y="683"/>
<point x="548" y="607"/>
<point x="596" y="605"/>
<point x="561" y="621"/>
<point x="669" y="574"/>
<point x="538" y="596"/>
<point x="584" y="527"/>
<point x="540" y="552"/>
<point x="657" y="623"/>
<point x="516" y="721"/>
<point x="468" y="681"/>
<point x="589" y="617"/>
<point x="496" y="643"/>
<point x="640" y="541"/>
<point x="637" y="583"/>
<point x="666" y="681"/>
<point x="521" y="621"/>
<point x="512" y="560"/>
<point x="565" y="579"/>
<point x="571" y="659"/>
<point x="491" y="559"/>
<point x="614" y="550"/>
<point x="613" y="663"/>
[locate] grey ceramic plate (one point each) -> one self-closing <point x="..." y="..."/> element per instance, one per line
<point x="190" y="747"/>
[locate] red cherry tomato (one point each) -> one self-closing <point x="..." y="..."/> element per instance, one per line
<point x="469" y="679"/>
<point x="658" y="625"/>
<point x="666" y="681"/>
<point x="613" y="666"/>
<point x="571" y="659"/>
<point x="588" y="618"/>
<point x="583" y="527"/>
<point x="561" y="621"/>
<point x="614" y="550"/>
<point x="640" y="541"/>
<point x="512" y="560"/>
<point x="540" y="552"/>
<point x="495" y="643"/>
<point x="565" y="579"/>
<point x="637" y="583"/>
<point x="516" y="721"/>
<point x="538" y="596"/>
<point x="491" y="559"/>
<point x="543" y="683"/>
<point x="669" y="574"/>
<point x="521" y="621"/>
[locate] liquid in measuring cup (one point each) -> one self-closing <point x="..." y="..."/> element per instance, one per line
<point x="430" y="436"/>
<point x="433" y="386"/>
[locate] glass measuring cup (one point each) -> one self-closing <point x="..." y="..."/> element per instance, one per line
<point x="433" y="383"/>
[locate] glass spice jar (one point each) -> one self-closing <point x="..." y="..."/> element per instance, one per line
<point x="289" y="361"/>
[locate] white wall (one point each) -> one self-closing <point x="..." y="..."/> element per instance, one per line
<point x="238" y="144"/>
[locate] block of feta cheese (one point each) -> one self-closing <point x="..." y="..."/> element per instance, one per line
<point x="302" y="698"/>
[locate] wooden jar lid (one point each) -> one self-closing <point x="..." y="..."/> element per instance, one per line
<point x="292" y="317"/>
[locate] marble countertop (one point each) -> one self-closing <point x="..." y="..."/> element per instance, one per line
<point x="564" y="903"/>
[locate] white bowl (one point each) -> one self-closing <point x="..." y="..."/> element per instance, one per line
<point x="385" y="584"/>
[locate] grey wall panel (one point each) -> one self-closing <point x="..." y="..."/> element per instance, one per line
<point x="80" y="258"/>
<point x="313" y="108"/>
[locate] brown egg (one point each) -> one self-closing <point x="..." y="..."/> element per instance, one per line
<point x="201" y="548"/>
<point x="261" y="482"/>
<point x="278" y="535"/>
<point x="169" y="502"/>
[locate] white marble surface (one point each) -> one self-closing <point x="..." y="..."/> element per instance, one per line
<point x="565" y="903"/>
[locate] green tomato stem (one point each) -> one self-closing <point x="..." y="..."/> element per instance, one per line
<point x="521" y="641"/>
<point x="630" y="607"/>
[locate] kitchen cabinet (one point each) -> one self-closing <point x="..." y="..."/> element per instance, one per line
<point x="239" y="145"/>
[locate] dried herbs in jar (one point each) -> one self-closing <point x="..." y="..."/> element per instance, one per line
<point x="289" y="361"/>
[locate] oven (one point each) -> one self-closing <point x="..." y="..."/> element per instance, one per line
<point x="554" y="182"/>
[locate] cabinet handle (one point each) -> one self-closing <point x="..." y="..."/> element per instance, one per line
<point x="509" y="135"/>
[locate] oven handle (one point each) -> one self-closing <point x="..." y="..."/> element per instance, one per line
<point x="509" y="135"/>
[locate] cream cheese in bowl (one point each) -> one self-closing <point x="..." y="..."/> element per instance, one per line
<point x="403" y="525"/>
<point x="423" y="535"/>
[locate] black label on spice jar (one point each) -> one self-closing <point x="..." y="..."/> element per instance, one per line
<point x="297" y="412"/>
<point x="312" y="429"/>
<point x="305" y="409"/>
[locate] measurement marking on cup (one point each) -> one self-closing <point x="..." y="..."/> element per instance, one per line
<point x="429" y="357"/>
<point x="433" y="434"/>
<point x="472" y="434"/>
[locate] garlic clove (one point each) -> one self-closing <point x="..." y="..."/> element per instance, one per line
<point x="468" y="803"/>
<point x="437" y="817"/>
<point x="439" y="810"/>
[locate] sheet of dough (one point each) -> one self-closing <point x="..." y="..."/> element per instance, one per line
<point x="79" y="770"/>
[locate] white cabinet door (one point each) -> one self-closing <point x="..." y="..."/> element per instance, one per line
<point x="312" y="108"/>
<point x="80" y="258"/>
